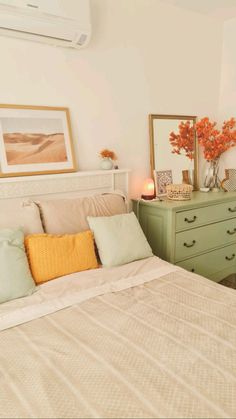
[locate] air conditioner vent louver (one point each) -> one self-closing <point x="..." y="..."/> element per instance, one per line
<point x="16" y="31"/>
<point x="34" y="6"/>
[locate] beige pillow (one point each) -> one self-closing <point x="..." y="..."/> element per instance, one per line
<point x="69" y="216"/>
<point x="17" y="213"/>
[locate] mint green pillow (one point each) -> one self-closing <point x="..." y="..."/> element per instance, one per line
<point x="15" y="277"/>
<point x="119" y="239"/>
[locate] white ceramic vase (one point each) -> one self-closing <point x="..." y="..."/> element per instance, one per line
<point x="106" y="163"/>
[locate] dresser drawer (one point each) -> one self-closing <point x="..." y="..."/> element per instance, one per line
<point x="191" y="242"/>
<point x="211" y="262"/>
<point x="200" y="216"/>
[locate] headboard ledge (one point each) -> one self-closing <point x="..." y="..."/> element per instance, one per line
<point x="65" y="185"/>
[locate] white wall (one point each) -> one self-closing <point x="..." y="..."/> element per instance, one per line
<point x="227" y="103"/>
<point x="145" y="57"/>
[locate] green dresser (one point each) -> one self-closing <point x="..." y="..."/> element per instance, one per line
<point x="198" y="235"/>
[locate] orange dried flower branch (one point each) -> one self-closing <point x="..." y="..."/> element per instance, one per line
<point x="214" y="141"/>
<point x="108" y="154"/>
<point x="183" y="142"/>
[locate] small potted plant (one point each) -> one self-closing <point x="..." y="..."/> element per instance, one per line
<point x="107" y="159"/>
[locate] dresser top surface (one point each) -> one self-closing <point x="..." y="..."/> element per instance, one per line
<point x="199" y="199"/>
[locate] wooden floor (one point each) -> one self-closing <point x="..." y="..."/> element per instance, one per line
<point x="230" y="281"/>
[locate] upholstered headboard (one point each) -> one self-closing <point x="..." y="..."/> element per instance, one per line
<point x="65" y="185"/>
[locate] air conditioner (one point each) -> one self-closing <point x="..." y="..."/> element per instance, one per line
<point x="58" y="22"/>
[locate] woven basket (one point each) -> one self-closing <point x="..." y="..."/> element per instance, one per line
<point x="180" y="192"/>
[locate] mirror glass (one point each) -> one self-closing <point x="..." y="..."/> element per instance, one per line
<point x="173" y="148"/>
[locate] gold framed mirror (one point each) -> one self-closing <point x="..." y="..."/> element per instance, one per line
<point x="173" y="148"/>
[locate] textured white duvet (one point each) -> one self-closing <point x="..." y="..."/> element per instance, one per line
<point x="78" y="287"/>
<point x="143" y="340"/>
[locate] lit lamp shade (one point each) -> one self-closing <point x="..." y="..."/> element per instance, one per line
<point x="148" y="189"/>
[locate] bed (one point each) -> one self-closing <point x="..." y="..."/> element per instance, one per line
<point x="145" y="339"/>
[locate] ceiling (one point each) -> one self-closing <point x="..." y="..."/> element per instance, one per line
<point x="221" y="9"/>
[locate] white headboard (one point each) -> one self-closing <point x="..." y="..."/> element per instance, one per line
<point x="65" y="185"/>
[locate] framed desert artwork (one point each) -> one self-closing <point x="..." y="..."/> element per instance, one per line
<point x="35" y="140"/>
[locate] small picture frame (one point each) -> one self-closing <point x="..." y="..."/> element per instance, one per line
<point x="162" y="178"/>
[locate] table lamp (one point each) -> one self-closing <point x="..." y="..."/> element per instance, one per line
<point x="148" y="191"/>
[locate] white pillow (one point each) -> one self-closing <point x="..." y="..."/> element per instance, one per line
<point x="119" y="239"/>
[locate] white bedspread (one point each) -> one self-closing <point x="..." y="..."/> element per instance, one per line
<point x="146" y="339"/>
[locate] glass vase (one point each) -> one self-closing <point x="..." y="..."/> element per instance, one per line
<point x="212" y="180"/>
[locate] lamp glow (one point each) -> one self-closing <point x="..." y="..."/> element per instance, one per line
<point x="148" y="189"/>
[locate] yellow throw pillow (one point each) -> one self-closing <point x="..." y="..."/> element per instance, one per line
<point x="52" y="256"/>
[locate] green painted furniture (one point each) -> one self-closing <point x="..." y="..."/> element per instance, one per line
<point x="198" y="235"/>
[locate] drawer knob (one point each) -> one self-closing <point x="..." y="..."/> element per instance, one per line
<point x="190" y="244"/>
<point x="231" y="232"/>
<point x="230" y="257"/>
<point x="232" y="209"/>
<point x="187" y="220"/>
<point x="192" y="270"/>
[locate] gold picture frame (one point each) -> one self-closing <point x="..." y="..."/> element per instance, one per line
<point x="35" y="140"/>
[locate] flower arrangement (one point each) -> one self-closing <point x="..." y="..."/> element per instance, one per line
<point x="183" y="142"/>
<point x="108" y="154"/>
<point x="214" y="141"/>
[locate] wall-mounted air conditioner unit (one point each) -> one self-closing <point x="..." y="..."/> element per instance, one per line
<point x="58" y="22"/>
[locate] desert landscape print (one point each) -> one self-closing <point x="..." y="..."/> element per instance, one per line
<point x="23" y="148"/>
<point x="34" y="141"/>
